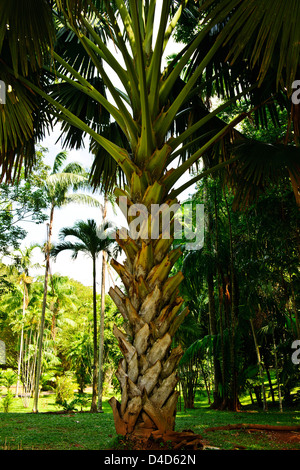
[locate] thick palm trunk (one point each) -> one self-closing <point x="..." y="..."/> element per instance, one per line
<point x="151" y="309"/>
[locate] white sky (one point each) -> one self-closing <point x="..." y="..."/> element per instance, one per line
<point x="81" y="269"/>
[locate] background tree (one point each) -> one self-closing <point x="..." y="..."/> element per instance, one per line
<point x="57" y="187"/>
<point x="91" y="240"/>
<point x="25" y="201"/>
<point x="23" y="260"/>
<point x="264" y="245"/>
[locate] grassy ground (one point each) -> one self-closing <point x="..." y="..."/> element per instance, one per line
<point x="21" y="429"/>
<point x="70" y="431"/>
<point x="200" y="419"/>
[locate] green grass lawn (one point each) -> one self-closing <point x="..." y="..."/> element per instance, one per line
<point x="201" y="418"/>
<point x="21" y="429"/>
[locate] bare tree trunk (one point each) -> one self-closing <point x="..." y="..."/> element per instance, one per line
<point x="265" y="406"/>
<point x="29" y="368"/>
<point x="270" y="382"/>
<point x="21" y="341"/>
<point x="33" y="366"/>
<point x="25" y="374"/>
<point x="233" y="322"/>
<point x="220" y="303"/>
<point x="95" y="334"/>
<point x="276" y="368"/>
<point x="42" y="324"/>
<point x="188" y="379"/>
<point x="206" y="383"/>
<point x="217" y="399"/>
<point x="295" y="307"/>
<point x="101" y="335"/>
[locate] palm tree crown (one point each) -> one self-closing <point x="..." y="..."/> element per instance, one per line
<point x="92" y="239"/>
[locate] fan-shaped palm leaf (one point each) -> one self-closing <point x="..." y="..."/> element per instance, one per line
<point x="260" y="163"/>
<point x="265" y="33"/>
<point x="27" y="35"/>
<point x="29" y="28"/>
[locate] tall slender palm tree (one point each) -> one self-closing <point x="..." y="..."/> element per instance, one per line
<point x="101" y="328"/>
<point x="156" y="115"/>
<point x="57" y="187"/>
<point x="91" y="240"/>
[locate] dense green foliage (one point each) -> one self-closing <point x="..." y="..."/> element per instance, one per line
<point x="26" y="200"/>
<point x="68" y="343"/>
<point x="243" y="290"/>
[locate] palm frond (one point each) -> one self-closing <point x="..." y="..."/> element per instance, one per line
<point x="203" y="345"/>
<point x="105" y="173"/>
<point x="89" y="238"/>
<point x="265" y="33"/>
<point x="59" y="159"/>
<point x="73" y="9"/>
<point x="25" y="119"/>
<point x="82" y="106"/>
<point x="29" y="29"/>
<point x="75" y="168"/>
<point x="65" y="179"/>
<point x="75" y="248"/>
<point x="259" y="164"/>
<point x="82" y="199"/>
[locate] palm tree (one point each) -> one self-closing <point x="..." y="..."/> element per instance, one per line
<point x="57" y="187"/>
<point x="156" y="116"/>
<point x="91" y="240"/>
<point x="62" y="299"/>
<point x="23" y="259"/>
